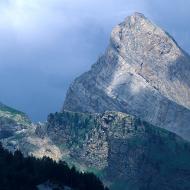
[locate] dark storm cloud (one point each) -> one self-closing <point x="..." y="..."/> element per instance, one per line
<point x="45" y="44"/>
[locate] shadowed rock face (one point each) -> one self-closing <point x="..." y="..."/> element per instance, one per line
<point x="143" y="72"/>
<point x="125" y="151"/>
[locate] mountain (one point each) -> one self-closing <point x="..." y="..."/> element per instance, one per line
<point x="126" y="120"/>
<point x="126" y="152"/>
<point x="12" y="121"/>
<point x="17" y="132"/>
<point x="143" y="72"/>
<point x="14" y="115"/>
<point x="123" y="150"/>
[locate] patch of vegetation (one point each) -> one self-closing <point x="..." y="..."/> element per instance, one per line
<point x="14" y="115"/>
<point x="122" y="185"/>
<point x="97" y="172"/>
<point x="80" y="125"/>
<point x="18" y="172"/>
<point x="11" y="110"/>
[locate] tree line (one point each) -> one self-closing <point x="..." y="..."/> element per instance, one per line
<point x="26" y="173"/>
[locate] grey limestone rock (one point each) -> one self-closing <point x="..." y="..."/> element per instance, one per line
<point x="143" y="72"/>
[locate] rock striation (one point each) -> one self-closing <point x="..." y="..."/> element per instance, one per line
<point x="143" y="72"/>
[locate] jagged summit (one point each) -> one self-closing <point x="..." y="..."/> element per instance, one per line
<point x="138" y="14"/>
<point x="134" y="18"/>
<point x="155" y="56"/>
<point x="143" y="72"/>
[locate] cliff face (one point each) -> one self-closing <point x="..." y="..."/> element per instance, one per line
<point x="143" y="72"/>
<point x="126" y="152"/>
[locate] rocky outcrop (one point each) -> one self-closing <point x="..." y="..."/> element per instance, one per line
<point x="143" y="72"/>
<point x="17" y="132"/>
<point x="126" y="152"/>
<point x="12" y="121"/>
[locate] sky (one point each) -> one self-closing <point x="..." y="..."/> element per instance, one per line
<point x="45" y="44"/>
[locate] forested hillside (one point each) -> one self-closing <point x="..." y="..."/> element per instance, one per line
<point x="19" y="173"/>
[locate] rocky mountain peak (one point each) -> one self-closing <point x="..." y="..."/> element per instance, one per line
<point x="139" y="36"/>
<point x="154" y="55"/>
<point x="134" y="19"/>
<point x="143" y="72"/>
